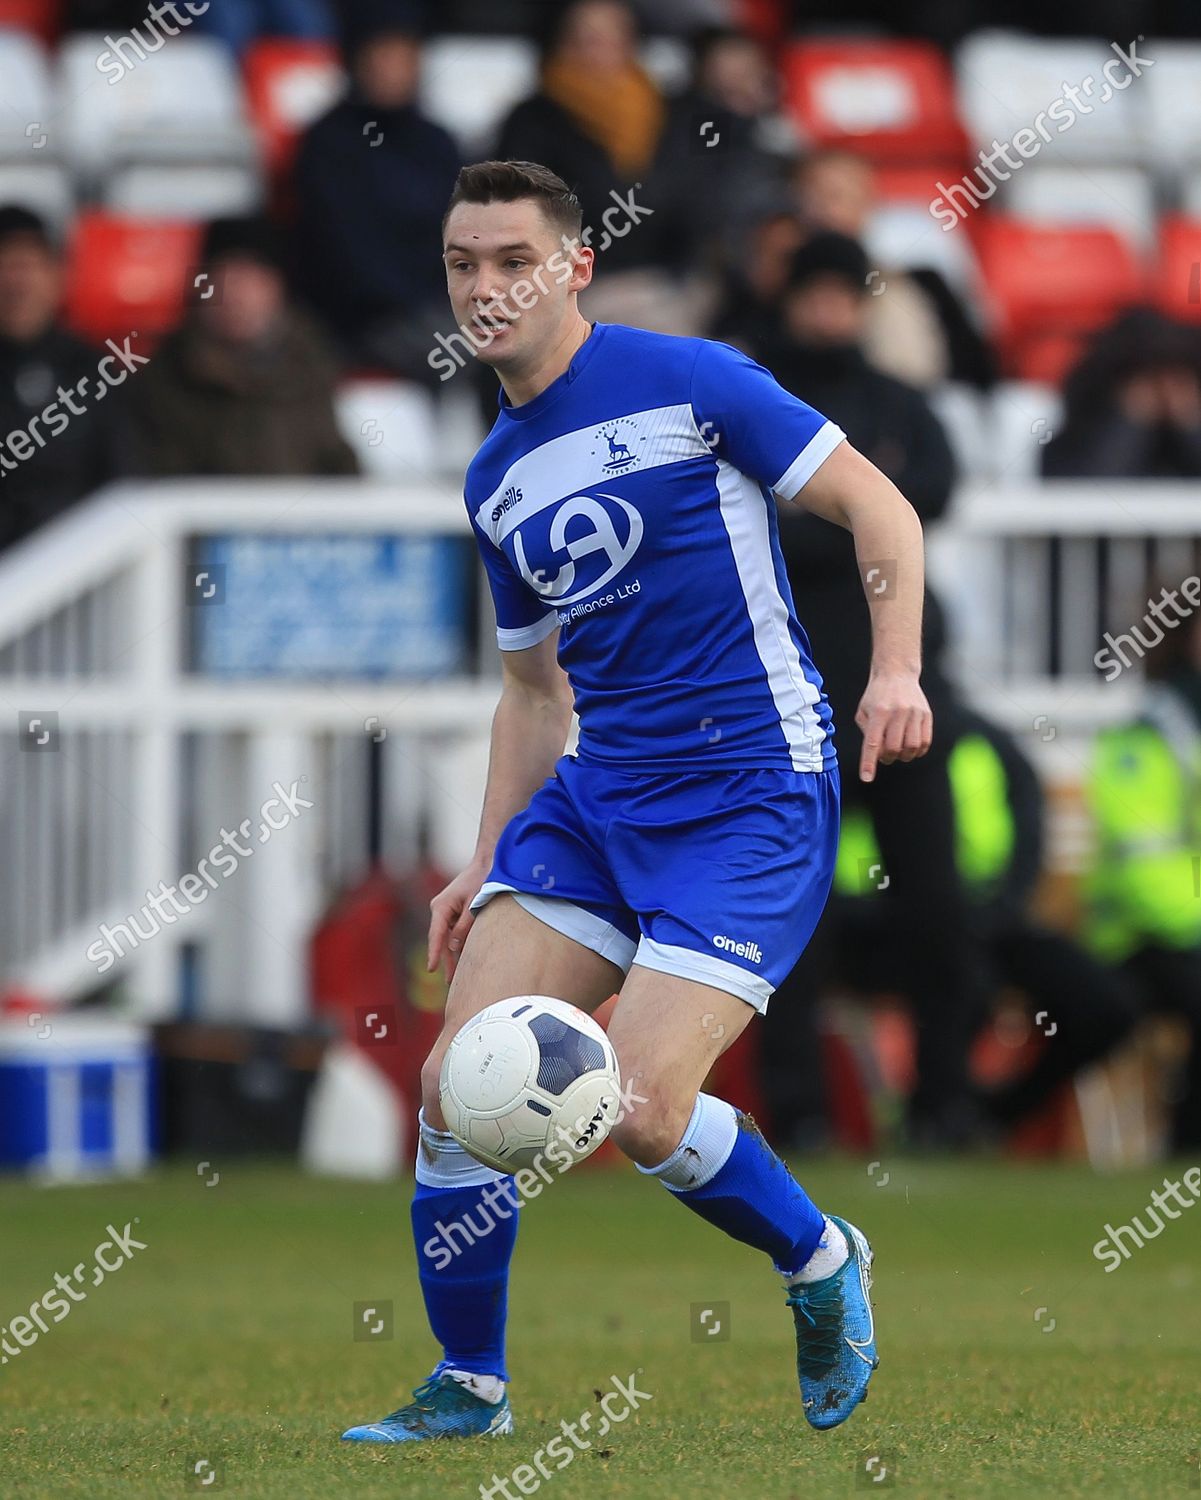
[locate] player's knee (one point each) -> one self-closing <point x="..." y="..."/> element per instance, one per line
<point x="651" y="1131"/>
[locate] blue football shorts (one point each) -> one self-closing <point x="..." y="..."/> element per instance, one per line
<point x="717" y="876"/>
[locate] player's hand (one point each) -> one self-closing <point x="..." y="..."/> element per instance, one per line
<point x="895" y="720"/>
<point x="451" y="918"/>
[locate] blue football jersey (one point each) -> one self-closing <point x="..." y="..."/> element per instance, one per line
<point x="629" y="506"/>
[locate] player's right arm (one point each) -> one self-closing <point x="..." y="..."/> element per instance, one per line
<point x="529" y="732"/>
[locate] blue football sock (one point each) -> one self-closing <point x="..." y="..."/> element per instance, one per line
<point x="465" y="1227"/>
<point x="725" y="1171"/>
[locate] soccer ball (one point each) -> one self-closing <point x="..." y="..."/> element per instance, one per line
<point x="530" y="1078"/>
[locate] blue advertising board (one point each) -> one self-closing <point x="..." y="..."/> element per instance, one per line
<point x="330" y="605"/>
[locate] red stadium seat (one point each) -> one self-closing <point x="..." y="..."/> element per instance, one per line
<point x="129" y="276"/>
<point x="892" y="101"/>
<point x="1050" y="286"/>
<point x="38" y="16"/>
<point x="1178" y="276"/>
<point x="288" y="84"/>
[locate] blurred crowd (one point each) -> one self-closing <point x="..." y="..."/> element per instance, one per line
<point x="758" y="239"/>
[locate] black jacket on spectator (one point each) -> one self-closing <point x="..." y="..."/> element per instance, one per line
<point x="538" y="129"/>
<point x="714" y="176"/>
<point x="372" y="186"/>
<point x="208" y="408"/>
<point x="67" y="461"/>
<point x="892" y="425"/>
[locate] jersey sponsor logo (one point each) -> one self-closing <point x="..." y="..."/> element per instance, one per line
<point x="601" y="537"/>
<point x="511" y="497"/>
<point x="744" y="950"/>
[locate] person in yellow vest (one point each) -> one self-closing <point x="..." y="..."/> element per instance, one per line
<point x="1144" y="884"/>
<point x="1086" y="1008"/>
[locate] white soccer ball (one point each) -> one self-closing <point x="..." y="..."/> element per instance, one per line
<point x="527" y="1079"/>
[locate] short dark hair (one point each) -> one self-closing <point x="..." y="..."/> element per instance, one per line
<point x="18" y="222"/>
<point x="511" y="181"/>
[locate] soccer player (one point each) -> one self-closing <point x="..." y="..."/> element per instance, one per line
<point x="623" y="505"/>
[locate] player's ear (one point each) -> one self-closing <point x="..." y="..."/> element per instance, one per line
<point x="583" y="260"/>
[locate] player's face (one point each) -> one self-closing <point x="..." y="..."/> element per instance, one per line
<point x="511" y="279"/>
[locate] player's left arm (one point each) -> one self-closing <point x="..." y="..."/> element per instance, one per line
<point x="893" y="713"/>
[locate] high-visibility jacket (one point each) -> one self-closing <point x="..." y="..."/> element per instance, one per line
<point x="1144" y="791"/>
<point x="983" y="767"/>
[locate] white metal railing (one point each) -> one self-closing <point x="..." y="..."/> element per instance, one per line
<point x="153" y="761"/>
<point x="93" y="628"/>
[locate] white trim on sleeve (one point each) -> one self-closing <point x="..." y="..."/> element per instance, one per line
<point x="523" y="636"/>
<point x="807" y="462"/>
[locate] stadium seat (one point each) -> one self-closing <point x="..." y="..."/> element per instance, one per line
<point x="391" y="426"/>
<point x="907" y="236"/>
<point x="1171" y="100"/>
<point x="469" y="83"/>
<point x="27" y="116"/>
<point x="184" y="192"/>
<point x="1178" y="273"/>
<point x="669" y="62"/>
<point x="961" y="410"/>
<point x="183" y="103"/>
<point x="1118" y="198"/>
<point x="44" y="187"/>
<point x="1023" y="417"/>
<point x="889" y="100"/>
<point x="1050" y="286"/>
<point x="289" y="84"/>
<point x="1006" y="81"/>
<point x="41" y="17"/>
<point x="128" y="276"/>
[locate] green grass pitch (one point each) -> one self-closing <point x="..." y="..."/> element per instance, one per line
<point x="1011" y="1363"/>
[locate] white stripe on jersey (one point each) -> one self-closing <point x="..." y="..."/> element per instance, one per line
<point x="744" y="513"/>
<point x="577" y="461"/>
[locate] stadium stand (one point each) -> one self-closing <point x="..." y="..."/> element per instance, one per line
<point x="128" y="171"/>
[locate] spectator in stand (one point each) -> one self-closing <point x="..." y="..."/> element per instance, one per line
<point x="598" y="120"/>
<point x="372" y="180"/>
<point x="726" y="148"/>
<point x="246" y="385"/>
<point x="38" y="360"/>
<point x="748" y="309"/>
<point x="239" y="22"/>
<point x="920" y="332"/>
<point x="1144" y="792"/>
<point x="1132" y="404"/>
<point x="820" y="358"/>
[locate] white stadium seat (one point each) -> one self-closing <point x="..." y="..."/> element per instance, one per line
<point x="470" y="83"/>
<point x="908" y="237"/>
<point x="1118" y="198"/>
<point x="185" y="191"/>
<point x="1170" y="94"/>
<point x="1005" y="81"/>
<point x="391" y="426"/>
<point x="182" y="103"/>
<point x="669" y="62"/>
<point x="26" y="107"/>
<point x="961" y="410"/>
<point x="43" y="187"/>
<point x="1024" y="418"/>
